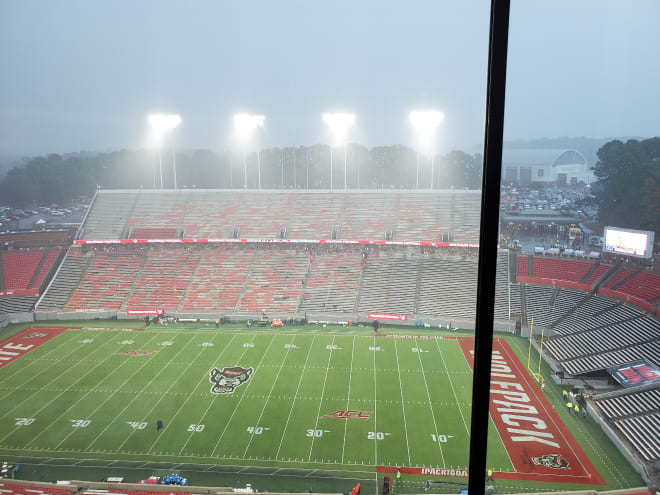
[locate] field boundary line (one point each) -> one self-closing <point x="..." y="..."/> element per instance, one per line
<point x="174" y="382"/>
<point x="240" y="400"/>
<point x="295" y="397"/>
<point x="133" y="399"/>
<point x="286" y="355"/>
<point x="435" y="424"/>
<point x="348" y="399"/>
<point x="403" y="407"/>
<point x="81" y="398"/>
<point x="327" y="369"/>
<point x="171" y="421"/>
<point x="375" y="408"/>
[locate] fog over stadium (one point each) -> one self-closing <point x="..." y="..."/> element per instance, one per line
<point x="84" y="75"/>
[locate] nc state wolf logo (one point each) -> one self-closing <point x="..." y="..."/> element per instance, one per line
<point x="226" y="381"/>
<point x="554" y="461"/>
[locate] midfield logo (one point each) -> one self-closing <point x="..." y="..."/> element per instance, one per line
<point x="348" y="414"/>
<point x="226" y="381"/>
<point x="554" y="461"/>
<point x="36" y="335"/>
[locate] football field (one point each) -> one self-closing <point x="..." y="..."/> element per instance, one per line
<point x="341" y="401"/>
<point x="300" y="398"/>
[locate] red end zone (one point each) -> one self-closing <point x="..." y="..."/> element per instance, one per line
<point x="538" y="443"/>
<point x="23" y="342"/>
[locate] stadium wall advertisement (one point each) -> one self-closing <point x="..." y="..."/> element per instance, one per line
<point x="79" y="242"/>
<point x="19" y="292"/>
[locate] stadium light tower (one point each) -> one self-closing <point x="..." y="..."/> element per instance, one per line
<point x="245" y="123"/>
<point x="161" y="124"/>
<point x="339" y="124"/>
<point x="425" y="123"/>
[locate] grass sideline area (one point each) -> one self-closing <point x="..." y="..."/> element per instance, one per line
<point x="96" y="401"/>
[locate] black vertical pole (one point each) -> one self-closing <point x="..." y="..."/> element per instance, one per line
<point x="490" y="205"/>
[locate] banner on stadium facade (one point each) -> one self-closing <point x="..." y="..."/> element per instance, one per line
<point x="385" y="316"/>
<point x="145" y="311"/>
<point x="635" y="374"/>
<point x="79" y="242"/>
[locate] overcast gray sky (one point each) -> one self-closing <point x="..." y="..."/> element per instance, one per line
<point x="83" y="75"/>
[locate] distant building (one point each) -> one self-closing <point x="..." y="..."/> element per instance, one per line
<point x="562" y="166"/>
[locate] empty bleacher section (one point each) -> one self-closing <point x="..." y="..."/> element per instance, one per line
<point x="333" y="282"/>
<point x="606" y="338"/>
<point x="65" y="282"/>
<point x="45" y="268"/>
<point x="635" y="415"/>
<point x="639" y="287"/>
<point x="109" y="215"/>
<point x="17" y="304"/>
<point x="435" y="216"/>
<point x="164" y="278"/>
<point x="275" y="280"/>
<point x="596" y="311"/>
<point x="602" y="361"/>
<point x="219" y="279"/>
<point x="561" y="269"/>
<point x="19" y="268"/>
<point x="523" y="265"/>
<point x="502" y="285"/>
<point x="448" y="288"/>
<point x="389" y="283"/>
<point x="108" y="279"/>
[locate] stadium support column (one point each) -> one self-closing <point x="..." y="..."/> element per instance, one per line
<point x="490" y="200"/>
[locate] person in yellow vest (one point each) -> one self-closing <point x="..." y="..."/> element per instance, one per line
<point x="564" y="394"/>
<point x="398" y="473"/>
<point x="569" y="406"/>
<point x="576" y="410"/>
<point x="490" y="475"/>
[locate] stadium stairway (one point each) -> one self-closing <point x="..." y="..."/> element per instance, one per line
<point x="192" y="278"/>
<point x="64" y="283"/>
<point x="124" y="304"/>
<point x="626" y="279"/>
<point x="568" y="314"/>
<point x="2" y="278"/>
<point x="37" y="270"/>
<point x="590" y="272"/>
<point x="418" y="284"/>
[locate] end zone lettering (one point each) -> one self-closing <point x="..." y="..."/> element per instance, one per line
<point x="20" y="344"/>
<point x="348" y="414"/>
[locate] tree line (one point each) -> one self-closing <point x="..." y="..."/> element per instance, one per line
<point x="59" y="178"/>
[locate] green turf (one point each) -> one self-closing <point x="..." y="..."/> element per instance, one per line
<point x="270" y="424"/>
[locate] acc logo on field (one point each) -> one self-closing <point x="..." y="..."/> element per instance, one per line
<point x="36" y="335"/>
<point x="226" y="380"/>
<point x="554" y="461"/>
<point x="348" y="414"/>
<point x="136" y="353"/>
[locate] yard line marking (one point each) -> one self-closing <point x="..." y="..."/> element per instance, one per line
<point x="242" y="396"/>
<point x="174" y="382"/>
<point x="295" y="397"/>
<point x="138" y="395"/>
<point x="51" y="381"/>
<point x="36" y="361"/>
<point x="451" y="382"/>
<point x="435" y="425"/>
<point x="171" y="421"/>
<point x="375" y="409"/>
<point x="405" y="425"/>
<point x="72" y="405"/>
<point x="268" y="398"/>
<point x="348" y="398"/>
<point x="321" y="401"/>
